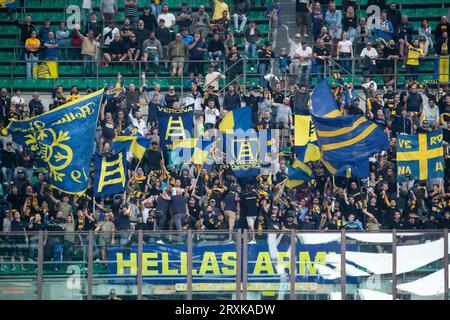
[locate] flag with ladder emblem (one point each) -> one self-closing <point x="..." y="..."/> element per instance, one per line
<point x="175" y="124"/>
<point x="110" y="176"/>
<point x="420" y="157"/>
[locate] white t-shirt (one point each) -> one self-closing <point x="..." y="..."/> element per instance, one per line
<point x="372" y="53"/>
<point x="17" y="100"/>
<point x="293" y="47"/>
<point x="212" y="79"/>
<point x="344" y="46"/>
<point x="169" y="19"/>
<point x="304" y="54"/>
<point x="211" y="115"/>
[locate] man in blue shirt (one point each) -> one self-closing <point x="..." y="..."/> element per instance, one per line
<point x="45" y="30"/>
<point x="384" y="28"/>
<point x="333" y="19"/>
<point x="186" y="37"/>
<point x="51" y="47"/>
<point x="352" y="224"/>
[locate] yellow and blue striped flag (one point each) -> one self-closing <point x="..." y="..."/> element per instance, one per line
<point x="298" y="174"/>
<point x="134" y="143"/>
<point x="193" y="150"/>
<point x="420" y="157"/>
<point x="345" y="141"/>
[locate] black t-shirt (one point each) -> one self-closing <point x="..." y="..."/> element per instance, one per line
<point x="162" y="205"/>
<point x="388" y="51"/>
<point x="349" y="22"/>
<point x="321" y="52"/>
<point x="122" y="222"/>
<point x="117" y="47"/>
<point x="301" y="5"/>
<point x="194" y="211"/>
<point x="413" y="102"/>
<point x="178" y="204"/>
<point x="249" y="206"/>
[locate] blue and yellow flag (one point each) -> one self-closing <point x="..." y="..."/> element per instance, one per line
<point x="110" y="175"/>
<point x="298" y="174"/>
<point x="323" y="103"/>
<point x="346" y="142"/>
<point x="9" y="4"/>
<point x="420" y="157"/>
<point x="305" y="139"/>
<point x="116" y="91"/>
<point x="175" y="124"/>
<point x="134" y="143"/>
<point x="192" y="151"/>
<point x="240" y="118"/>
<point x="63" y="139"/>
<point x="246" y="152"/>
<point x="46" y="70"/>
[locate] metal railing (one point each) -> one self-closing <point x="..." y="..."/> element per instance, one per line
<point x="189" y="264"/>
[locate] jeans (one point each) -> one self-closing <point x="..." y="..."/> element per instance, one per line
<point x="154" y="58"/>
<point x="236" y="21"/>
<point x="8" y="174"/>
<point x="85" y="15"/>
<point x="156" y="9"/>
<point x="250" y="51"/>
<point x="88" y="65"/>
<point x="31" y="62"/>
<point x="351" y="34"/>
<point x="263" y="69"/>
<point x="52" y="58"/>
<point x="303" y="75"/>
<point x="178" y="219"/>
<point x="215" y="55"/>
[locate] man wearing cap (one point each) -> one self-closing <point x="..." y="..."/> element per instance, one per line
<point x="184" y="17"/>
<point x="149" y="19"/>
<point x="186" y="37"/>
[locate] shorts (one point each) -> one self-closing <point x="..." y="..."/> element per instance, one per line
<point x="303" y="18"/>
<point x="231" y="215"/>
<point x="196" y="67"/>
<point x="250" y="221"/>
<point x="104" y="241"/>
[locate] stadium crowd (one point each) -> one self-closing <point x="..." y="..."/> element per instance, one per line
<point x="210" y="197"/>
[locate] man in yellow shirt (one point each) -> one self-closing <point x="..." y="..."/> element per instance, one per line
<point x="219" y="7"/>
<point x="412" y="63"/>
<point x="32" y="45"/>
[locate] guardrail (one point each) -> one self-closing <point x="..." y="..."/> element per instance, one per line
<point x="189" y="264"/>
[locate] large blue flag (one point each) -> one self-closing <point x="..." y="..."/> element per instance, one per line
<point x="240" y="118"/>
<point x="110" y="176"/>
<point x="420" y="157"/>
<point x="63" y="139"/>
<point x="346" y="142"/>
<point x="175" y="124"/>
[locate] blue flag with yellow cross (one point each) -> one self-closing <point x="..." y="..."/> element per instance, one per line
<point x="62" y="140"/>
<point x="110" y="176"/>
<point x="421" y="156"/>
